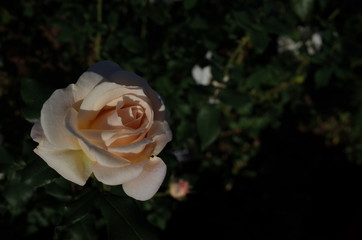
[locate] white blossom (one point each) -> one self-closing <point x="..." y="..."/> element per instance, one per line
<point x="314" y="44"/>
<point x="202" y="76"/>
<point x="286" y="44"/>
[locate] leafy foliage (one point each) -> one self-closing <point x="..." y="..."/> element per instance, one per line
<point x="271" y="147"/>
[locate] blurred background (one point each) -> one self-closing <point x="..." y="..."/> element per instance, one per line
<point x="266" y="112"/>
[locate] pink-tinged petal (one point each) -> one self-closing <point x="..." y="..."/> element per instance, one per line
<point x="133" y="80"/>
<point x="37" y="133"/>
<point x="104" y="93"/>
<point x="108" y="136"/>
<point x="148" y="182"/>
<point x="52" y="118"/>
<point x="73" y="165"/>
<point x="56" y="107"/>
<point x="97" y="73"/>
<point x="86" y="82"/>
<point x="161" y="135"/>
<point x="131" y="148"/>
<point x="94" y="152"/>
<point x="122" y="139"/>
<point x="117" y="175"/>
<point x="103" y="157"/>
<point x="140" y="101"/>
<point x="104" y="120"/>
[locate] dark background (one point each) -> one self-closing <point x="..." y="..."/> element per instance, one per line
<point x="277" y="154"/>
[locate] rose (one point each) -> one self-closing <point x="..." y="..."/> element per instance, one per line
<point x="179" y="188"/>
<point x="110" y="123"/>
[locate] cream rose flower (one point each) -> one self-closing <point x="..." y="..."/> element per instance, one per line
<point x="110" y="123"/>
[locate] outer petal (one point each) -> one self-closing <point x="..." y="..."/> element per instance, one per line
<point x="71" y="164"/>
<point x="52" y="118"/>
<point x="93" y="76"/>
<point x="37" y="133"/>
<point x="86" y="82"/>
<point x="161" y="135"/>
<point x="56" y="107"/>
<point x="118" y="175"/>
<point x="148" y="182"/>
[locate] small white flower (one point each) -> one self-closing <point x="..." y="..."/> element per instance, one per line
<point x="226" y="78"/>
<point x="317" y="40"/>
<point x="208" y="55"/>
<point x="314" y="44"/>
<point x="202" y="76"/>
<point x="213" y="100"/>
<point x="286" y="44"/>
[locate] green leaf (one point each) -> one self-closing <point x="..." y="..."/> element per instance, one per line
<point x="77" y="209"/>
<point x="132" y="44"/>
<point x="5" y="157"/>
<point x="198" y="23"/>
<point x="59" y="188"/>
<point x="243" y="20"/>
<point x="322" y="77"/>
<point x="257" y="78"/>
<point x="124" y="219"/>
<point x="33" y="93"/>
<point x="85" y="228"/>
<point x="37" y="173"/>
<point x="302" y="8"/>
<point x="234" y="99"/>
<point x="259" y="38"/>
<point x="208" y="125"/>
<point x="189" y="4"/>
<point x="17" y="193"/>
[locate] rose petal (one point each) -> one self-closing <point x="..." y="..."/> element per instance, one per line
<point x="52" y="118"/>
<point x="94" y="152"/>
<point x="131" y="148"/>
<point x="105" y="120"/>
<point x="125" y="138"/>
<point x="37" y="133"/>
<point x="71" y="164"/>
<point x="142" y="101"/>
<point x="132" y="79"/>
<point x="102" y="156"/>
<point x="98" y="98"/>
<point x="161" y="135"/>
<point x="118" y="175"/>
<point x="148" y="182"/>
<point x="56" y="107"/>
<point x="108" y="136"/>
<point x="86" y="82"/>
<point x="146" y="153"/>
<point x="106" y="92"/>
